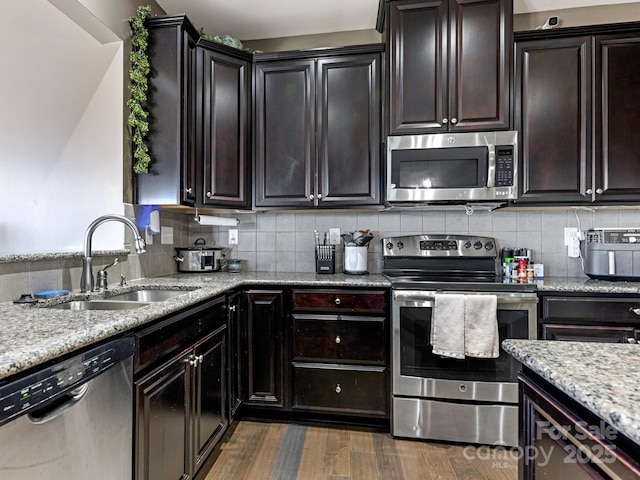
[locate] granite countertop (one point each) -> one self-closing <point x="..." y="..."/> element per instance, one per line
<point x="603" y="377"/>
<point x="30" y="336"/>
<point x="33" y="335"/>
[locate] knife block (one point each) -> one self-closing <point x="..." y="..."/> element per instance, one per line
<point x="325" y="259"/>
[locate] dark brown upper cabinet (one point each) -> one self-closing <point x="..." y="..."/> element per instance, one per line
<point x="199" y="106"/>
<point x="172" y="114"/>
<point x="317" y="128"/>
<point x="449" y="65"/>
<point x="224" y="87"/>
<point x="577" y="109"/>
<point x="554" y="119"/>
<point x="617" y="113"/>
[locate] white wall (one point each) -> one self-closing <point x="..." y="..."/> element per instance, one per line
<point x="61" y="108"/>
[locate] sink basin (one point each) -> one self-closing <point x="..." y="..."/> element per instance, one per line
<point x="146" y="295"/>
<point x="79" y="305"/>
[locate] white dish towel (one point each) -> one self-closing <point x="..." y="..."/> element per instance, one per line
<point x="481" y="338"/>
<point x="465" y="326"/>
<point x="447" y="325"/>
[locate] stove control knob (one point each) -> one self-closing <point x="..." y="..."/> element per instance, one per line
<point x="400" y="245"/>
<point x="488" y="246"/>
<point x="477" y="245"/>
<point x="467" y="244"/>
<point x="633" y="239"/>
<point x="389" y="246"/>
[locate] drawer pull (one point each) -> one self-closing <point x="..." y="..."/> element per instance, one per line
<point x="338" y="301"/>
<point x="631" y="340"/>
<point x="635" y="310"/>
<point x="338" y="388"/>
<point x="338" y="339"/>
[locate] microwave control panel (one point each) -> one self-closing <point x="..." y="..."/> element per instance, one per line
<point x="504" y="165"/>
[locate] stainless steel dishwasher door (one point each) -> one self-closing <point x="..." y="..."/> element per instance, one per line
<point x="85" y="433"/>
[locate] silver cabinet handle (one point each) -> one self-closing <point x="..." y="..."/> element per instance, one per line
<point x="635" y="311"/>
<point x="454" y="120"/>
<point x="311" y="197"/>
<point x="631" y="340"/>
<point x="338" y="301"/>
<point x="209" y="195"/>
<point x="319" y="196"/>
<point x="232" y="308"/>
<point x="338" y="388"/>
<point x="445" y="120"/>
<point x="589" y="191"/>
<point x="189" y="190"/>
<point x="599" y="191"/>
<point x="338" y="339"/>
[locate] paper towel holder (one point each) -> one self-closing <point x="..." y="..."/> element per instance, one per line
<point x="213" y="220"/>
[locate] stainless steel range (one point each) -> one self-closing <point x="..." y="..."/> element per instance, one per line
<point x="471" y="400"/>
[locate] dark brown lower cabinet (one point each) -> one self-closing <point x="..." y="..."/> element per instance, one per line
<point x="340" y="362"/>
<point x="263" y="364"/>
<point x="560" y="439"/>
<point x="181" y="402"/>
<point x="235" y="353"/>
<point x="590" y="318"/>
<point x="352" y="389"/>
<point x="161" y="430"/>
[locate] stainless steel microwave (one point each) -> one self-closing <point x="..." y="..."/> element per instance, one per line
<point x="455" y="167"/>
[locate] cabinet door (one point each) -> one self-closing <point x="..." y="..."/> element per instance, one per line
<point x="284" y="133"/>
<point x="417" y="66"/>
<point x="264" y="364"/>
<point x="235" y="354"/>
<point x="161" y="431"/>
<point x="553" y="99"/>
<point x="172" y="134"/>
<point x="617" y="143"/>
<point x="480" y="49"/>
<point x="348" y="123"/>
<point x="210" y="415"/>
<point x="225" y="129"/>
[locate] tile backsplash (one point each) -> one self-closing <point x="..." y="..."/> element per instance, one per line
<point x="284" y="242"/>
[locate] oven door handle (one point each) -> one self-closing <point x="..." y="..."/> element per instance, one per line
<point x="429" y="298"/>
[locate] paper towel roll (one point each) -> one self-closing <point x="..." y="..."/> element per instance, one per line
<point x="211" y="220"/>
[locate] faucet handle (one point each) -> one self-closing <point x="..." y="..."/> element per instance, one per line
<point x="101" y="279"/>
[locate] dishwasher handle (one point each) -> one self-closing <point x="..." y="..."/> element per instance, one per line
<point x="57" y="407"/>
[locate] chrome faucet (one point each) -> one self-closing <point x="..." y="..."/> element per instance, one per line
<point x="86" y="281"/>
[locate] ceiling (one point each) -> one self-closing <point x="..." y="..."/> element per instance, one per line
<point x="259" y="19"/>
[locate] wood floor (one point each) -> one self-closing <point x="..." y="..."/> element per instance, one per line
<point x="268" y="450"/>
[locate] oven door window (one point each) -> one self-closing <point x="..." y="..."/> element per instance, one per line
<point x="439" y="168"/>
<point x="418" y="360"/>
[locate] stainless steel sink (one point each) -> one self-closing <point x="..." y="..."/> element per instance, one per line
<point x="146" y="295"/>
<point x="78" y="305"/>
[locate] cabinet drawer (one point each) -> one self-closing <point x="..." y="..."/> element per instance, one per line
<point x="340" y="389"/>
<point x="590" y="333"/>
<point x="340" y="338"/>
<point x="586" y="309"/>
<point x="161" y="340"/>
<point x="369" y="301"/>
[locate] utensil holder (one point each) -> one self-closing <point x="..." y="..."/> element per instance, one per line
<point x="325" y="259"/>
<point x="355" y="260"/>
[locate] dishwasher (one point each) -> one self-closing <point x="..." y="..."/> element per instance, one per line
<point x="72" y="419"/>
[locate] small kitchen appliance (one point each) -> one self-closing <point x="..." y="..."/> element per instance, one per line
<point x="198" y="257"/>
<point x="612" y="253"/>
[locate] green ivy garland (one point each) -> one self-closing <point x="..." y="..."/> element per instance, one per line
<point x="139" y="74"/>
